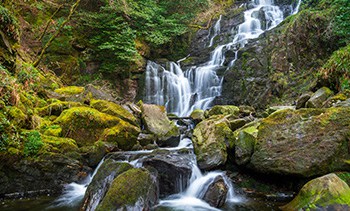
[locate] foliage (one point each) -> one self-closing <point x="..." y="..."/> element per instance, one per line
<point x="342" y="19"/>
<point x="8" y="24"/>
<point x="33" y="143"/>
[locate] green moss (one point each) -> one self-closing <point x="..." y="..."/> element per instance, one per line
<point x="223" y="110"/>
<point x="70" y="90"/>
<point x="57" y="145"/>
<point x="17" y="116"/>
<point x="114" y="109"/>
<point x="85" y="125"/>
<point x="124" y="134"/>
<point x="56" y="108"/>
<point x="127" y="189"/>
<point x="53" y="130"/>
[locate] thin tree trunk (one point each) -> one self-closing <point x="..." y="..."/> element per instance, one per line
<point x="72" y="10"/>
<point x="49" y="21"/>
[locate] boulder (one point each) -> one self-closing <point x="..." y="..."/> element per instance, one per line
<point x="156" y="122"/>
<point x="197" y="115"/>
<point x="134" y="189"/>
<point x="216" y="193"/>
<point x="99" y="185"/>
<point x="319" y="97"/>
<point x="321" y="193"/>
<point x="301" y="101"/>
<point x="223" y="110"/>
<point x="210" y="138"/>
<point x="304" y="142"/>
<point x="173" y="170"/>
<point x="272" y="109"/>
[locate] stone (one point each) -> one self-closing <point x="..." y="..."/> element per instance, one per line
<point x="223" y="110"/>
<point x="304" y="142"/>
<point x="301" y="101"/>
<point x="101" y="182"/>
<point x="244" y="147"/>
<point x="317" y="194"/>
<point x="135" y="189"/>
<point x="156" y="122"/>
<point x="319" y="97"/>
<point x="272" y="109"/>
<point x="216" y="193"/>
<point x="197" y="115"/>
<point x="210" y="138"/>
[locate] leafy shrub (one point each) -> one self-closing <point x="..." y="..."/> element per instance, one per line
<point x="33" y="143"/>
<point x="8" y="24"/>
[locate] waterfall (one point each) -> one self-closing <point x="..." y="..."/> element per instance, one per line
<point x="183" y="90"/>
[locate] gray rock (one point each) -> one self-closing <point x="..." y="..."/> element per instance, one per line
<point x="216" y="193"/>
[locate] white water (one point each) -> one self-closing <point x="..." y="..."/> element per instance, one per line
<point x="182" y="91"/>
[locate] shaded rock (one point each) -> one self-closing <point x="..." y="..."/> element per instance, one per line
<point x="156" y="121"/>
<point x="301" y="102"/>
<point x="272" y="109"/>
<point x="146" y="139"/>
<point x="135" y="189"/>
<point x="244" y="147"/>
<point x="237" y="123"/>
<point x="319" y="97"/>
<point x="174" y="170"/>
<point x="223" y="110"/>
<point x="304" y="142"/>
<point x="57" y="107"/>
<point x="216" y="193"/>
<point x="101" y="182"/>
<point x="197" y="115"/>
<point x="327" y="191"/>
<point x="245" y="110"/>
<point x="210" y="138"/>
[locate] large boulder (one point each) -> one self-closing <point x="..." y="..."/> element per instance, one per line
<point x="173" y="170"/>
<point x="210" y="138"/>
<point x="134" y="189"/>
<point x="223" y="110"/>
<point x="99" y="185"/>
<point x="319" y="97"/>
<point x="156" y="121"/>
<point x="305" y="142"/>
<point x="321" y="193"/>
<point x="216" y="193"/>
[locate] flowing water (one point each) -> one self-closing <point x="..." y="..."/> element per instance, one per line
<point x="182" y="91"/>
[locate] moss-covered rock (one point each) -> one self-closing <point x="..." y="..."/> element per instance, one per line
<point x="197" y="115"/>
<point x="70" y="90"/>
<point x="320" y="193"/>
<point x="57" y="107"/>
<point x="58" y="145"/>
<point x="156" y="121"/>
<point x="305" y="142"/>
<point x="124" y="135"/>
<point x="17" y="116"/>
<point x="133" y="189"/>
<point x="99" y="185"/>
<point x="244" y="147"/>
<point x="319" y="97"/>
<point x="114" y="109"/>
<point x="223" y="110"/>
<point x="210" y="138"/>
<point x="85" y="125"/>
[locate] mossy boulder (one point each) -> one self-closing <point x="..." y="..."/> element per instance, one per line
<point x="99" y="185"/>
<point x="197" y="115"/>
<point x="223" y="110"/>
<point x="134" y="189"/>
<point x="58" y="145"/>
<point x="156" y="121"/>
<point x="319" y="97"/>
<point x="56" y="108"/>
<point x="124" y="135"/>
<point x="70" y="90"/>
<point x="322" y="192"/>
<point x="210" y="138"/>
<point x="85" y="125"/>
<point x="304" y="142"/>
<point x="114" y="109"/>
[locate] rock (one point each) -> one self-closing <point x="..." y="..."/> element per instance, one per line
<point x="223" y="110"/>
<point x="101" y="182"/>
<point x="114" y="110"/>
<point x="301" y="102"/>
<point x="272" y="109"/>
<point x="216" y="193"/>
<point x="134" y="189"/>
<point x="237" y="123"/>
<point x="319" y="97"/>
<point x="245" y="110"/>
<point x="304" y="142"/>
<point x="174" y="170"/>
<point x="156" y="122"/>
<point x="345" y="103"/>
<point x="244" y="147"/>
<point x="210" y="138"/>
<point x="197" y="115"/>
<point x="146" y="139"/>
<point x="56" y="108"/>
<point x="325" y="191"/>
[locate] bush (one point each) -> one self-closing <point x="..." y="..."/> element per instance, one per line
<point x="33" y="143"/>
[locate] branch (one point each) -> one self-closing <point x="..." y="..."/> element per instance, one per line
<point x="49" y="21"/>
<point x="72" y="10"/>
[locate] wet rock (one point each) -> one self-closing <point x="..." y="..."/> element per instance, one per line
<point x="210" y="138"/>
<point x="173" y="169"/>
<point x="101" y="182"/>
<point x="156" y="122"/>
<point x="135" y="189"/>
<point x="324" y="192"/>
<point x="319" y="97"/>
<point x="301" y="102"/>
<point x="216" y="193"/>
<point x="304" y="142"/>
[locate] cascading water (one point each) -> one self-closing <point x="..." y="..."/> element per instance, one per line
<point x="182" y="91"/>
